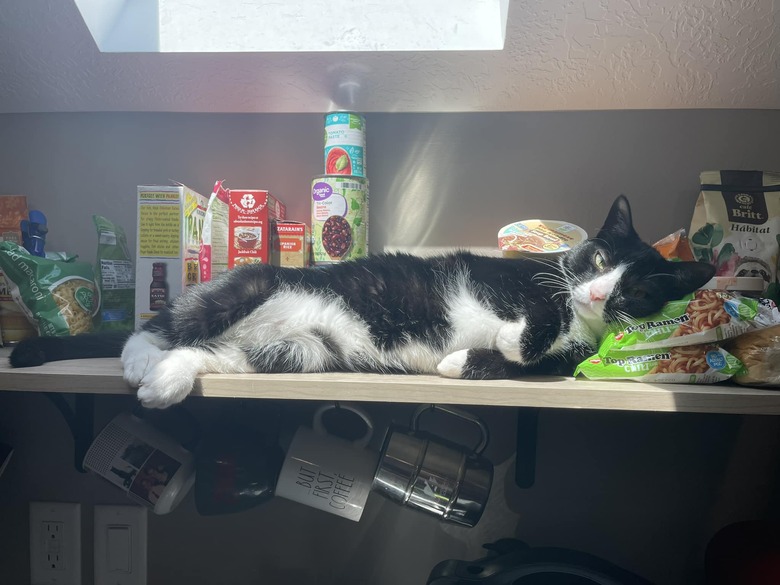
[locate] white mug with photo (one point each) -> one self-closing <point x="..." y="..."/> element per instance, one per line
<point x="327" y="472"/>
<point x="150" y="467"/>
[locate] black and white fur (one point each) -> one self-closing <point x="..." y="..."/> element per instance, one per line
<point x="461" y="315"/>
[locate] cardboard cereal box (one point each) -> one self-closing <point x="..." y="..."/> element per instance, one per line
<point x="170" y="223"/>
<point x="14" y="324"/>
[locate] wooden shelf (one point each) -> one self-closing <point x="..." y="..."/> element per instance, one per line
<point x="104" y="376"/>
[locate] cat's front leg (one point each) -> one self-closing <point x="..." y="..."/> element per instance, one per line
<point x="173" y="378"/>
<point x="529" y="339"/>
<point x="490" y="364"/>
<point x="520" y="345"/>
<point x="477" y="364"/>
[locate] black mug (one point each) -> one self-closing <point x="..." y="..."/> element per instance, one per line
<point x="235" y="473"/>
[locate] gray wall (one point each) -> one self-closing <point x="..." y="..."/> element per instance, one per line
<point x="436" y="179"/>
<point x="643" y="490"/>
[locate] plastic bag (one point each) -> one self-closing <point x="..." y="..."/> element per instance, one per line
<point x="693" y="364"/>
<point x="759" y="351"/>
<point x="58" y="296"/>
<point x="115" y="277"/>
<point x="736" y="225"/>
<point x="705" y="316"/>
<point x="675" y="246"/>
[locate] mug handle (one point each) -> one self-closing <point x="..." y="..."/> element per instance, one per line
<point x="485" y="435"/>
<point x="319" y="427"/>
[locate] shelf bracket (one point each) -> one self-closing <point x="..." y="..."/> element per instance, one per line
<point x="526" y="443"/>
<point x="81" y="422"/>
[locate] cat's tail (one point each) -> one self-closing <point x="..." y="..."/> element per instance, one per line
<point x="35" y="351"/>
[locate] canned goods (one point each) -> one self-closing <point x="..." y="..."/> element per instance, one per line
<point x="339" y="218"/>
<point x="345" y="144"/>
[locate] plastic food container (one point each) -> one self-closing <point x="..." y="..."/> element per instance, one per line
<point x="539" y="237"/>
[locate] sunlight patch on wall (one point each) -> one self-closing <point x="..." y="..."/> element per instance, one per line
<point x="216" y="26"/>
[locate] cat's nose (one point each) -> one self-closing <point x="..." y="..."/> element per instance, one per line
<point x="597" y="295"/>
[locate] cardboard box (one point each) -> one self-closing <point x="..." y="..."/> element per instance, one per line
<point x="14" y="324"/>
<point x="291" y="244"/>
<point x="250" y="215"/>
<point x="170" y="223"/>
<point x="214" y="240"/>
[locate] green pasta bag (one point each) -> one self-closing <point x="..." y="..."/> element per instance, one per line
<point x="115" y="277"/>
<point x="58" y="295"/>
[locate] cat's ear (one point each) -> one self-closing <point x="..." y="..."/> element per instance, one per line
<point x="687" y="277"/>
<point x="618" y="222"/>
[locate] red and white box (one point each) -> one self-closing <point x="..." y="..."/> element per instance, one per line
<point x="249" y="230"/>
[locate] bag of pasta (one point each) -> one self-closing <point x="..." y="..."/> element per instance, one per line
<point x="705" y="316"/>
<point x="115" y="277"/>
<point x="58" y="296"/>
<point x="692" y="364"/>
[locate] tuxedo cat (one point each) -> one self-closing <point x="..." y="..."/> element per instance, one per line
<point x="461" y="315"/>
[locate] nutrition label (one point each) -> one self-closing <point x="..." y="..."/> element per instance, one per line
<point x="117" y="274"/>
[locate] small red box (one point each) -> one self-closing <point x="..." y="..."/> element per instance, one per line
<point x="291" y="244"/>
<point x="249" y="229"/>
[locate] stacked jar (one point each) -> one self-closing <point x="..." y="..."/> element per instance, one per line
<point x="339" y="197"/>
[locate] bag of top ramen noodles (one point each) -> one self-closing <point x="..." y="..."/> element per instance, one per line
<point x="704" y="316"/>
<point x="736" y="225"/>
<point x="692" y="364"/>
<point x="115" y="277"/>
<point x="59" y="297"/>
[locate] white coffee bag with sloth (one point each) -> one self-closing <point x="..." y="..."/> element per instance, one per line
<point x="736" y="225"/>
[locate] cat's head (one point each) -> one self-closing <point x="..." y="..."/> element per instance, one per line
<point x="615" y="276"/>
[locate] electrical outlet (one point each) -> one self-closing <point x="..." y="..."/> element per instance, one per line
<point x="52" y="547"/>
<point x="55" y="543"/>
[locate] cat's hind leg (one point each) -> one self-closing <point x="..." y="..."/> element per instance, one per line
<point x="307" y="352"/>
<point x="172" y="379"/>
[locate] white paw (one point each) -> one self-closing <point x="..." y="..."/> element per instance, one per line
<point x="508" y="340"/>
<point x="139" y="356"/>
<point x="169" y="382"/>
<point x="452" y="365"/>
<point x="138" y="365"/>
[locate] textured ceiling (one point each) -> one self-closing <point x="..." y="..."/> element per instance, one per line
<point x="559" y="55"/>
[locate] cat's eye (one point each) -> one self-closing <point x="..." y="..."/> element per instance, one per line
<point x="599" y="261"/>
<point x="636" y="292"/>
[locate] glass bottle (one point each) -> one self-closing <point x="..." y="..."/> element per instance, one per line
<point x="158" y="290"/>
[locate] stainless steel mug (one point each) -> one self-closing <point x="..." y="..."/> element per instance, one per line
<point x="432" y="474"/>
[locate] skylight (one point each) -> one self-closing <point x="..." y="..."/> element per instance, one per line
<point x="182" y="26"/>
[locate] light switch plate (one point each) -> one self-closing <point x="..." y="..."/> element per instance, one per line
<point x="120" y="545"/>
<point x="55" y="543"/>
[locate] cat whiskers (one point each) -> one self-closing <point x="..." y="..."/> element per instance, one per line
<point x="551" y="279"/>
<point x="624" y="320"/>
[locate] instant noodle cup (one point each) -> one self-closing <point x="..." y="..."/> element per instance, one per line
<point x="539" y="237"/>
